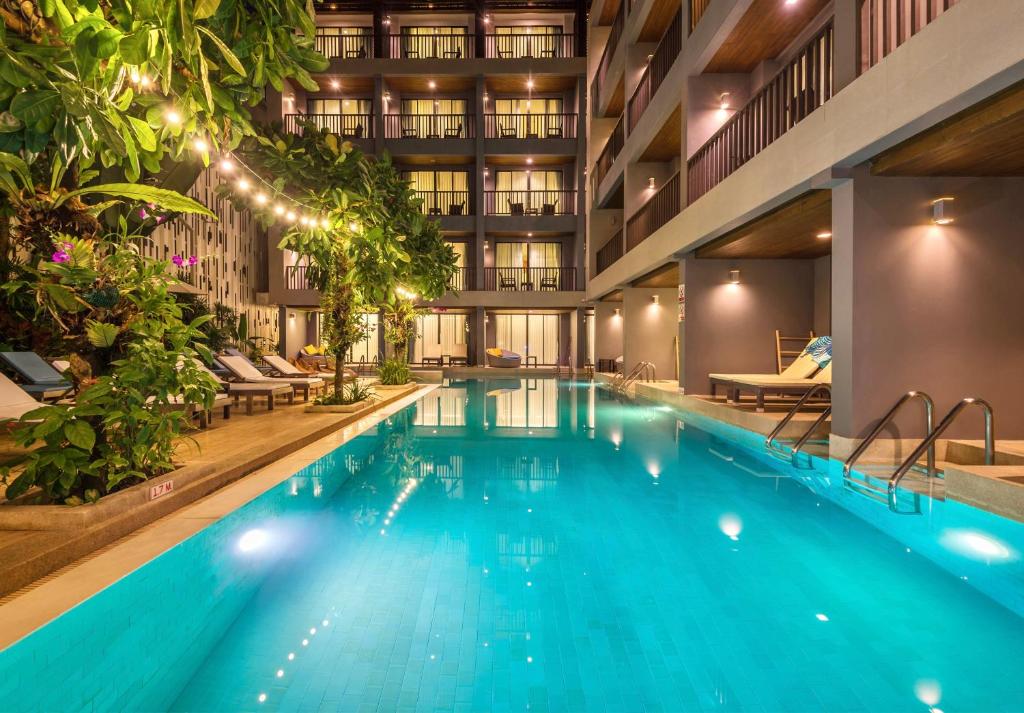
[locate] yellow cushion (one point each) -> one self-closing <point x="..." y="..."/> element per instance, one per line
<point x="310" y="349"/>
<point x="494" y="351"/>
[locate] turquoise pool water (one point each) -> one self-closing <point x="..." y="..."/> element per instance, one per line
<point x="541" y="546"/>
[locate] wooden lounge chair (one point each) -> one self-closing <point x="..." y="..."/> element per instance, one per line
<point x="453" y="133"/>
<point x="15" y="402"/>
<point x="283" y="367"/>
<point x="506" y="282"/>
<point x="803" y="367"/>
<point x="507" y="133"/>
<point x="250" y="392"/>
<point x="779" y="386"/>
<point x="244" y="370"/>
<point x="41" y="379"/>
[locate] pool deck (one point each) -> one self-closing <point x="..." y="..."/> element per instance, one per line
<point x="34" y="543"/>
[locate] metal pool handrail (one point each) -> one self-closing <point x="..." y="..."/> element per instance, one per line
<point x="793" y="412"/>
<point x="929" y="411"/>
<point x="929" y="442"/>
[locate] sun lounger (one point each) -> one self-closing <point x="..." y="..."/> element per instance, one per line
<point x="15" y="402"/>
<point x="41" y="379"/>
<point x="246" y="371"/>
<point x="250" y="392"/>
<point x="803" y="367"/>
<point x="286" y="369"/>
<point x="772" y="384"/>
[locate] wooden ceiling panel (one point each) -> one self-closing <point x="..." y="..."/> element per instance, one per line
<point x="608" y="12"/>
<point x="520" y="161"/>
<point x="347" y="84"/>
<point x="661" y="14"/>
<point x="667" y="143"/>
<point x="664" y="276"/>
<point x="420" y="84"/>
<point x="617" y="100"/>
<point x="542" y="83"/>
<point x="986" y="139"/>
<point x="789" y="231"/>
<point x="439" y="161"/>
<point x="766" y="29"/>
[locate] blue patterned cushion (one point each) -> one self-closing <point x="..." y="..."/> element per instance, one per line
<point x="820" y="350"/>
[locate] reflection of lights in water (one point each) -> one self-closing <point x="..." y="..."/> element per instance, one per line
<point x="305" y="642"/>
<point x="262" y="697"/>
<point x="730" y="525"/>
<point x="976" y="545"/>
<point x="928" y="691"/>
<point x="325" y="622"/>
<point x="616" y="439"/>
<point x="821" y="617"/>
<point x="280" y="673"/>
<point x="291" y="656"/>
<point x="529" y="659"/>
<point x="654" y="469"/>
<point x="295" y="487"/>
<point x="252" y="540"/>
<point x="529" y="584"/>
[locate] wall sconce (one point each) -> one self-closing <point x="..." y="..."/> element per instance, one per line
<point x="824" y="235"/>
<point x="387" y="19"/>
<point x="618" y="312"/>
<point x="335" y="84"/>
<point x="723" y="101"/>
<point x="734" y="277"/>
<point x="942" y="210"/>
<point x="650" y="183"/>
<point x="656" y="299"/>
<point x="387" y="96"/>
<point x="486" y="96"/>
<point x="432" y="84"/>
<point x="291" y="315"/>
<point x="487" y="19"/>
<point x="486" y="245"/>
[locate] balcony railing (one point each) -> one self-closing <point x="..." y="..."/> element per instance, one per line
<point x="608" y="254"/>
<point x="887" y="24"/>
<point x="428" y="126"/>
<point x="440" y="46"/>
<point x="462" y="280"/>
<point x="669" y="47"/>
<point x="697" y="9"/>
<point x="540" y="202"/>
<point x="352" y="46"/>
<point x="660" y="209"/>
<point x="530" y="46"/>
<point x="608" y="155"/>
<point x="295" y="277"/>
<point x="614" y="35"/>
<point x="529" y="279"/>
<point x="802" y="86"/>
<point x="349" y="126"/>
<point x="445" y="202"/>
<point x="530" y="126"/>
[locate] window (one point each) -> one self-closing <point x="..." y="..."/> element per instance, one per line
<point x="433" y="118"/>
<point x="440" y="335"/>
<point x="528" y="41"/>
<point x="444" y="42"/>
<point x="443" y="192"/>
<point x="529" y="335"/>
<point x="350" y="42"/>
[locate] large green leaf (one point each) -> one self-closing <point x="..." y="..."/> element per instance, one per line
<point x="161" y="197"/>
<point x="205" y="8"/>
<point x="80" y="435"/>
<point x="145" y="135"/>
<point x="35" y="105"/>
<point x="232" y="60"/>
<point x="100" y="334"/>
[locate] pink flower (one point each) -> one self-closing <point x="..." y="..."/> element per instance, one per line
<point x="60" y="256"/>
<point x="178" y="260"/>
<point x="143" y="214"/>
<point x="68" y="246"/>
<point x="192" y="260"/>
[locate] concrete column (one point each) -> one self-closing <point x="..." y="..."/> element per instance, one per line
<point x="478" y="187"/>
<point x="580" y="254"/>
<point x="845" y="52"/>
<point x="378" y="113"/>
<point x="479" y="339"/>
<point x="608" y="321"/>
<point x="650" y="328"/>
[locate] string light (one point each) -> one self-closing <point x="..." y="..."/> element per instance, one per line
<point x="199" y="144"/>
<point x="172" y="117"/>
<point x="278" y="209"/>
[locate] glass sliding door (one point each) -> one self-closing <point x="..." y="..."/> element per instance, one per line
<point x="529" y="335"/>
<point x="442" y="192"/>
<point x="528" y="192"/>
<point x="366" y="350"/>
<point x="434" y="42"/>
<point x="348" y="117"/>
<point x="433" y="118"/>
<point x="528" y="266"/>
<point x="529" y="117"/>
<point x="516" y="41"/>
<point x="440" y="335"/>
<point x="347" y="42"/>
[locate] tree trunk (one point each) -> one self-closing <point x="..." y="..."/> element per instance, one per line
<point x="339" y="374"/>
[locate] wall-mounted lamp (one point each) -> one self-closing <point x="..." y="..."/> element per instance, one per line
<point x="618" y="312"/>
<point x="487" y="19"/>
<point x="734" y="277"/>
<point x="486" y="245"/>
<point x="824" y="235"/>
<point x="486" y="96"/>
<point x="942" y="210"/>
<point x="655" y="299"/>
<point x="387" y="96"/>
<point x="650" y="183"/>
<point x="432" y="84"/>
<point x="335" y="84"/>
<point x="291" y="315"/>
<point x="387" y="19"/>
<point x="723" y="101"/>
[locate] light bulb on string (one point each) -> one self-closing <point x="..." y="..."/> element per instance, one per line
<point x="243" y="185"/>
<point x="261" y="199"/>
<point x="278" y="209"/>
<point x="200" y="145"/>
<point x="172" y="116"/>
<point x="290" y="215"/>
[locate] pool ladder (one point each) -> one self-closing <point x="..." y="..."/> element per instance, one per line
<point x="789" y="450"/>
<point x="642" y="371"/>
<point x="863" y="485"/>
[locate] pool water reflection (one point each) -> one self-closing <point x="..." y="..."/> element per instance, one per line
<point x="541" y="545"/>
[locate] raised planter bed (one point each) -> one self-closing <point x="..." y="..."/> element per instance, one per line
<point x="340" y="408"/>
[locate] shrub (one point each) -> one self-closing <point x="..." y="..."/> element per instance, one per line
<point x="350" y="393"/>
<point x="394" y="372"/>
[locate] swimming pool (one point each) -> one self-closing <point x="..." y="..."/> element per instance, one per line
<point x="541" y="545"/>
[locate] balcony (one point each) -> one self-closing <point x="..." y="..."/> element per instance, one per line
<point x="295" y="278"/>
<point x="608" y="155"/>
<point x="349" y="46"/>
<point x="441" y="203"/>
<point x="530" y="126"/>
<point x="430" y="126"/>
<point x="439" y="46"/>
<point x="536" y="202"/>
<point x="601" y="75"/>
<point x="697" y="10"/>
<point x="802" y="86"/>
<point x="657" y="69"/>
<point x="887" y="24"/>
<point x="608" y="254"/>
<point x="538" y="45"/>
<point x="529" y="279"/>
<point x="660" y="209"/>
<point x="462" y="280"/>
<point x="348" y="126"/>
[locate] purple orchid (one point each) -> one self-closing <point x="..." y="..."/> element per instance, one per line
<point x="178" y="260"/>
<point x="60" y="256"/>
<point x="192" y="260"/>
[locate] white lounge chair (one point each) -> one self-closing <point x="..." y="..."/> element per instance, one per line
<point x="15" y="402"/>
<point x="286" y="369"/>
<point x="246" y="371"/>
<point x="252" y="391"/>
<point x="776" y="385"/>
<point x="803" y="367"/>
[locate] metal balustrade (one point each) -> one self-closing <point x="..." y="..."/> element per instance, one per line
<point x="349" y="46"/>
<point x="669" y="47"/>
<point x="535" y="45"/>
<point x="601" y="76"/>
<point x="428" y="126"/>
<point x="349" y="126"/>
<point x="611" y="252"/>
<point x="445" y="202"/>
<point x="661" y="208"/>
<point x="887" y="24"/>
<point x="697" y="10"/>
<point x="462" y="280"/>
<point x="529" y="279"/>
<point x="530" y="126"/>
<point x="295" y="277"/>
<point x="538" y="202"/>
<point x="802" y="86"/>
<point x="608" y="154"/>
<point x="439" y="46"/>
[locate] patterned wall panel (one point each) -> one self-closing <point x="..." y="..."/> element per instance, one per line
<point x="232" y="254"/>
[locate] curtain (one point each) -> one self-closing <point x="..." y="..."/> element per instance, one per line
<point x="529" y="335"/>
<point x="535" y="405"/>
<point x="440" y="335"/>
<point x="345" y="107"/>
<point x="366" y="349"/>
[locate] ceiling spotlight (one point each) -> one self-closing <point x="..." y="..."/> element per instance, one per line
<point x="335" y="84"/>
<point x="529" y="84"/>
<point x="432" y="84"/>
<point x="824" y="235"/>
<point x="529" y="160"/>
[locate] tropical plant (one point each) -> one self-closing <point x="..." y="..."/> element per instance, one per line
<point x="394" y="372"/>
<point x="351" y="393"/>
